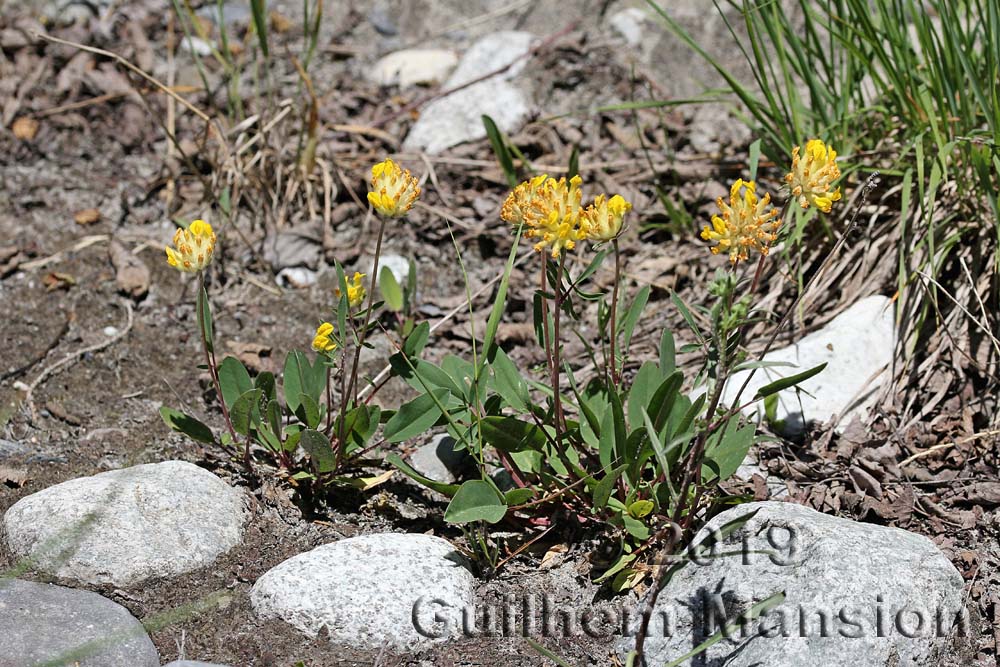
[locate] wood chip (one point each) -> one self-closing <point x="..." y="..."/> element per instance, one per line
<point x="25" y="128"/>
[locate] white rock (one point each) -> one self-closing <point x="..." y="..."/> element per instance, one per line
<point x="296" y="277"/>
<point x="369" y="592"/>
<point x="197" y="46"/>
<point x="125" y="526"/>
<point x="870" y="583"/>
<point x="42" y="624"/>
<point x="413" y="66"/>
<point x="857" y="347"/>
<point x="629" y="23"/>
<point x="457" y="118"/>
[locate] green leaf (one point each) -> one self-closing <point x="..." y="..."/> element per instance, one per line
<point x="645" y="384"/>
<point x="499" y="303"/>
<point x="187" y="425"/>
<point x="246" y="411"/>
<point x="259" y="10"/>
<point x="234" y="380"/>
<point x="294" y="379"/>
<point x="442" y="488"/>
<point x="308" y="411"/>
<point x="415" y="342"/>
<point x="727" y="450"/>
<point x="635" y="527"/>
<point x="417" y="416"/>
<point x="754" y="159"/>
<point x="604" y="488"/>
<point x="632" y="318"/>
<point x="501" y="150"/>
<point x="668" y="353"/>
<point x="511" y="434"/>
<point x="265" y="382"/>
<point x="319" y="449"/>
<point x="509" y="383"/>
<point x="476" y="500"/>
<point x="574" y="162"/>
<point x="790" y="381"/>
<point x="391" y="291"/>
<point x="205" y="318"/>
<point x="516" y="497"/>
<point x="641" y="508"/>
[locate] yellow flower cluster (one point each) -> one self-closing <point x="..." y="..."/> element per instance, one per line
<point x="745" y="223"/>
<point x="813" y="174"/>
<point x="195" y="246"/>
<point x="605" y="217"/>
<point x="393" y="190"/>
<point x="553" y="213"/>
<point x="322" y="341"/>
<point x="356" y="292"/>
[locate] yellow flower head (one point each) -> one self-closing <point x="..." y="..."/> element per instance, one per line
<point x="356" y="292"/>
<point x="605" y="216"/>
<point x="812" y="175"/>
<point x="520" y="199"/>
<point x="745" y="223"/>
<point x="551" y="210"/>
<point x="321" y="341"/>
<point x="195" y="246"/>
<point x="393" y="190"/>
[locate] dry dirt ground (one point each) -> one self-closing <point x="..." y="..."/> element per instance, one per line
<point x="100" y="146"/>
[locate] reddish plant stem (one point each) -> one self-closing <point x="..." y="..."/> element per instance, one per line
<point x="213" y="369"/>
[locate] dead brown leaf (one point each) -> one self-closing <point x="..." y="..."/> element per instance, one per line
<point x="131" y="273"/>
<point x="54" y="280"/>
<point x="25" y="128"/>
<point x="87" y="216"/>
<point x="553" y="556"/>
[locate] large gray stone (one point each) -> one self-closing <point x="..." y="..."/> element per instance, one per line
<point x="855" y="594"/>
<point x="457" y="118"/>
<point x="125" y="526"/>
<point x="857" y="346"/>
<point x="439" y="461"/>
<point x="42" y="624"/>
<point x="369" y="592"/>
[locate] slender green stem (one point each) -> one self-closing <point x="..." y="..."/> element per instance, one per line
<point x="615" y="377"/>
<point x="351" y="396"/>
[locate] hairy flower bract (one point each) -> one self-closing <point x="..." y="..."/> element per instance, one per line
<point x="813" y="174"/>
<point x="393" y="190"/>
<point x="746" y="222"/>
<point x="605" y="216"/>
<point x="322" y="341"/>
<point x="194" y="247"/>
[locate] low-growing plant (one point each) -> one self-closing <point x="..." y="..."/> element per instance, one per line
<point x="618" y="445"/>
<point x="304" y="432"/>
